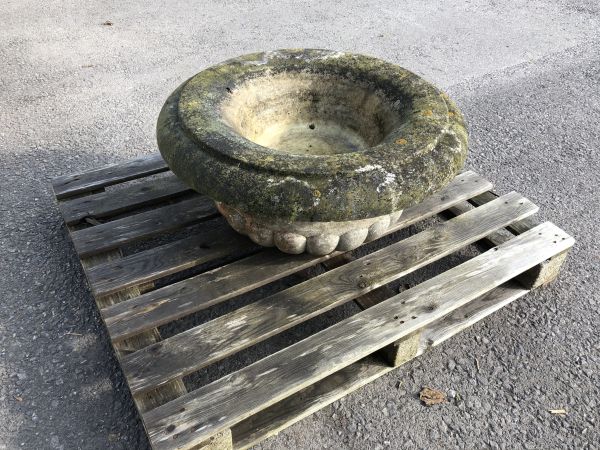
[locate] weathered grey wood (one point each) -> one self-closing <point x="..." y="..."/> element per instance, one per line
<point x="537" y="276"/>
<point x="216" y="240"/>
<point x="543" y="273"/>
<point x="368" y="299"/>
<point x="109" y="204"/>
<point x="71" y="185"/>
<point x="207" y="343"/>
<point x="170" y="391"/>
<point x="470" y="314"/>
<point x="111" y="278"/>
<point x="404" y="349"/>
<point x="154" y="398"/>
<point x="518" y="227"/>
<point x="463" y="187"/>
<point x="144" y="225"/>
<point x="394" y="354"/>
<point x="201" y="291"/>
<point x="281" y="415"/>
<point x="233" y="398"/>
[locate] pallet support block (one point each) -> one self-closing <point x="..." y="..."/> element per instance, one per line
<point x="542" y="274"/>
<point x="136" y="293"/>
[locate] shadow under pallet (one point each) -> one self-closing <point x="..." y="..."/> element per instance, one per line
<point x="165" y="280"/>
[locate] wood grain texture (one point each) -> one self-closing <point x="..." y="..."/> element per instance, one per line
<point x="71" y="185"/>
<point x="201" y="291"/>
<point x="470" y="314"/>
<point x="214" y="242"/>
<point x="281" y="415"/>
<point x="518" y="227"/>
<point x="233" y="398"/>
<point x="290" y="410"/>
<point x="110" y="235"/>
<point x="537" y="276"/>
<point x="543" y="273"/>
<point x="157" y="397"/>
<point x="109" y="204"/>
<point x="170" y="391"/>
<point x="464" y="186"/>
<point x="167" y="305"/>
<point x="207" y="343"/>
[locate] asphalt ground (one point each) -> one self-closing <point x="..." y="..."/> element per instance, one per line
<point x="76" y="94"/>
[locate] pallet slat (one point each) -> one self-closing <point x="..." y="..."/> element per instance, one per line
<point x="70" y="185"/>
<point x="180" y="299"/>
<point x="470" y="314"/>
<point x="245" y="407"/>
<point x="216" y="241"/>
<point x="290" y="410"/>
<point x="201" y="291"/>
<point x="110" y="235"/>
<point x="108" y="204"/>
<point x="225" y="402"/>
<point x="207" y="343"/>
<point x="309" y="400"/>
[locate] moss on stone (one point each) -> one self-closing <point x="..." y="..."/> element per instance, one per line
<point x="413" y="161"/>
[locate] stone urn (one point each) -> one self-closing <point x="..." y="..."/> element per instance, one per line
<point x="311" y="150"/>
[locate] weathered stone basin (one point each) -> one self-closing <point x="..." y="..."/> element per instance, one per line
<point x="311" y="150"/>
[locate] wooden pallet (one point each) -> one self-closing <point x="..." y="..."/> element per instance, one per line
<point x="250" y="404"/>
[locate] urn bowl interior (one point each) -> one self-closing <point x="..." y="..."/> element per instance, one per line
<point x="311" y="114"/>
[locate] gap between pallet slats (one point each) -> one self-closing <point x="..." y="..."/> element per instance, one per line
<point x="110" y="235"/>
<point x="281" y="415"/>
<point x="199" y="292"/>
<point x="537" y="276"/>
<point x="71" y="185"/>
<point x="216" y="241"/>
<point x="231" y="399"/>
<point x="170" y="391"/>
<point x="109" y="204"/>
<point x="207" y="343"/>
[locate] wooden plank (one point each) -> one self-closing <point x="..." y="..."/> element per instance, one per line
<point x="70" y="185"/>
<point x="463" y="187"/>
<point x="281" y="415"/>
<point x="215" y="241"/>
<point x="470" y="314"/>
<point x="517" y="227"/>
<point x="183" y="298"/>
<point x="155" y="398"/>
<point x="537" y="276"/>
<point x="231" y="399"/>
<point x="201" y="291"/>
<point x="285" y="413"/>
<point x="108" y="204"/>
<point x="110" y="235"/>
<point x="170" y="391"/>
<point x="205" y="344"/>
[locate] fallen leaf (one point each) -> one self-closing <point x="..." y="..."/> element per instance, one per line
<point x="558" y="412"/>
<point x="17" y="398"/>
<point x="432" y="396"/>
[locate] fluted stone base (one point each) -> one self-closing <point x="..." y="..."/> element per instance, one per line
<point x="316" y="238"/>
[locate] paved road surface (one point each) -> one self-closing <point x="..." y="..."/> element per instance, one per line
<point x="76" y="94"/>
